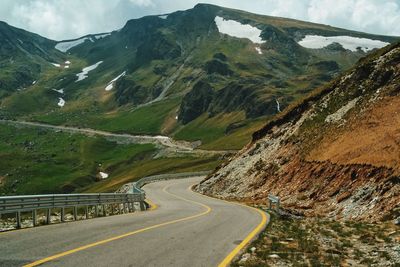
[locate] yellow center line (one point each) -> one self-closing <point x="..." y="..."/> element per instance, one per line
<point x="69" y="252"/>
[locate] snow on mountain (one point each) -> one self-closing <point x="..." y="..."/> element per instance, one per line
<point x="163" y="16"/>
<point x="239" y="30"/>
<point x="103" y="175"/>
<point x="56" y="65"/>
<point x="60" y="91"/>
<point x="348" y="42"/>
<point x="61" y="102"/>
<point x="67" y="45"/>
<point x="110" y="85"/>
<point x="84" y="74"/>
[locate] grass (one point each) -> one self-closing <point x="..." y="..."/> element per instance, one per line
<point x="39" y="161"/>
<point x="207" y="129"/>
<point x="145" y="120"/>
<point x="153" y="167"/>
<point x="36" y="161"/>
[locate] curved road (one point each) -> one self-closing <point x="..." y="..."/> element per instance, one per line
<point x="185" y="229"/>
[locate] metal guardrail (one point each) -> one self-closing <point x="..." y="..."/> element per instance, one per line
<point x="18" y="204"/>
<point x="136" y="187"/>
<point x="125" y="200"/>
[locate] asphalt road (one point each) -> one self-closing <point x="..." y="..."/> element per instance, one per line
<point x="185" y="229"/>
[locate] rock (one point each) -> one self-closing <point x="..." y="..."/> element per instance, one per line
<point x="397" y="221"/>
<point x="245" y="257"/>
<point x="195" y="102"/>
<point x="274" y="256"/>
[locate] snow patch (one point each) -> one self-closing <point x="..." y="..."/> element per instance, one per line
<point x="239" y="30"/>
<point x="348" y="42"/>
<point x="65" y="46"/>
<point x="61" y="102"/>
<point x="67" y="62"/>
<point x="258" y="49"/>
<point x="103" y="175"/>
<point x="163" y="16"/>
<point x="33" y="82"/>
<point x="66" y="67"/>
<point x="60" y="91"/>
<point x="110" y="85"/>
<point x="278" y="106"/>
<point x="84" y="74"/>
<point x="56" y="65"/>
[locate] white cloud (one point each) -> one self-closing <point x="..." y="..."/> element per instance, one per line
<point x="373" y="16"/>
<point x="145" y="3"/>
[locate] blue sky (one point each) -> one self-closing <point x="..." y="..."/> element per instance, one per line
<point x="65" y="19"/>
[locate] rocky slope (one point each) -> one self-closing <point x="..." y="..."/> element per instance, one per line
<point x="335" y="153"/>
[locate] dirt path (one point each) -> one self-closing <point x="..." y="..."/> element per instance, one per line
<point x="159" y="140"/>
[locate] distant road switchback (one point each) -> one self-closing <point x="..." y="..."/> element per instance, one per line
<point x="182" y="229"/>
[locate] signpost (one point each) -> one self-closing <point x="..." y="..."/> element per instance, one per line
<point x="273" y="201"/>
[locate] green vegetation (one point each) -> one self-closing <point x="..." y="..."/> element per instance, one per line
<point x="42" y="161"/>
<point x="153" y="167"/>
<point x="35" y="160"/>
<point x="221" y="132"/>
<point x="145" y="120"/>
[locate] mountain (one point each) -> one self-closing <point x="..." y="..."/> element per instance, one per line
<point x="335" y="153"/>
<point x="209" y="73"/>
<point x="23" y="56"/>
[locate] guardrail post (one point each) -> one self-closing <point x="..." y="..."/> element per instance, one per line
<point x="48" y="216"/>
<point x="62" y="214"/>
<point x="75" y="213"/>
<point x="142" y="206"/>
<point x="129" y="207"/>
<point x="18" y="217"/>
<point x="34" y="218"/>
<point x="133" y="206"/>
<point x="96" y="210"/>
<point x="87" y="212"/>
<point x="104" y="210"/>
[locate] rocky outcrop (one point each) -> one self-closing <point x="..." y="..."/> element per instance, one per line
<point x="344" y="168"/>
<point x="196" y="102"/>
<point x="218" y="67"/>
<point x="127" y="91"/>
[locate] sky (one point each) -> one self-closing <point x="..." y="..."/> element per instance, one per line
<point x="68" y="19"/>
